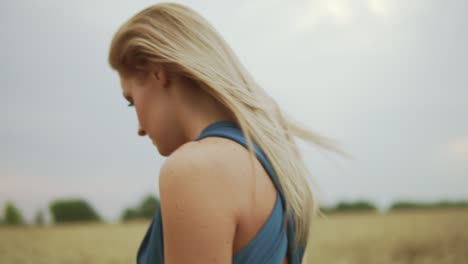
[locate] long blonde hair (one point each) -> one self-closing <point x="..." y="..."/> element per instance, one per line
<point x="177" y="37"/>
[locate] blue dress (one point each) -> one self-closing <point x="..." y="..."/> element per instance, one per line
<point x="269" y="246"/>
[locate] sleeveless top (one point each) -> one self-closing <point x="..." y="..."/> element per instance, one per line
<point x="270" y="244"/>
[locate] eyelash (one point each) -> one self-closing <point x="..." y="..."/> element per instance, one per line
<point x="129" y="100"/>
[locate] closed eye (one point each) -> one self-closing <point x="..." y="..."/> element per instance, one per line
<point x="129" y="99"/>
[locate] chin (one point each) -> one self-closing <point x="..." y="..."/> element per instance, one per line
<point x="162" y="151"/>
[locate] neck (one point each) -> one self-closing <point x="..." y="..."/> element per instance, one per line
<point x="199" y="111"/>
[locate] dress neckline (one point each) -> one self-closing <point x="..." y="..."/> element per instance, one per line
<point x="222" y="123"/>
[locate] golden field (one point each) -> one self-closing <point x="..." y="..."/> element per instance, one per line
<point x="430" y="236"/>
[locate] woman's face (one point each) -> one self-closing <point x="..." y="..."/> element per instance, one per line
<point x="156" y="114"/>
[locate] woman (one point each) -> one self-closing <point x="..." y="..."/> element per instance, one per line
<point x="234" y="188"/>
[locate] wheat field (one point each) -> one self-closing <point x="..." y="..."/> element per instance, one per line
<point x="416" y="237"/>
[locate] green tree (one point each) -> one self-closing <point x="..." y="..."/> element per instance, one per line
<point x="148" y="206"/>
<point x="12" y="215"/>
<point x="412" y="205"/>
<point x="130" y="214"/>
<point x="146" y="210"/>
<point x="73" y="210"/>
<point x="355" y="206"/>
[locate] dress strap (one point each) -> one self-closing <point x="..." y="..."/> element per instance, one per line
<point x="231" y="130"/>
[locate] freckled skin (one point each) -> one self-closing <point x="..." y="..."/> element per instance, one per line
<point x="212" y="202"/>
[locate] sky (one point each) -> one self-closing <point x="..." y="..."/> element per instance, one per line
<point x="387" y="79"/>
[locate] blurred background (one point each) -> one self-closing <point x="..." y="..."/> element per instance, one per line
<point x="388" y="79"/>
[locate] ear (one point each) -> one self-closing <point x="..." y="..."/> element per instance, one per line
<point x="161" y="75"/>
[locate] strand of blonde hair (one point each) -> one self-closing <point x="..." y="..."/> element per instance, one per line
<point x="177" y="37"/>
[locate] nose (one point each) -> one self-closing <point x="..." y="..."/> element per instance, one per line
<point x="141" y="132"/>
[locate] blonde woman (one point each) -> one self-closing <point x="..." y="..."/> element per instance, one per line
<point x="234" y="187"/>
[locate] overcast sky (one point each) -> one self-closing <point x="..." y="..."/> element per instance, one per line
<point x="386" y="78"/>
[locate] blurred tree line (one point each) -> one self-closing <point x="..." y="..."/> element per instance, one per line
<point x="367" y="206"/>
<point x="405" y="205"/>
<point x="79" y="210"/>
<point x="145" y="210"/>
<point x="358" y="206"/>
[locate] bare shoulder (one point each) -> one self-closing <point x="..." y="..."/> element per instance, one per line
<point x="215" y="161"/>
<point x="198" y="200"/>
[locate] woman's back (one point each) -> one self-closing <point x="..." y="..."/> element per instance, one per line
<point x="260" y="236"/>
<point x="181" y="76"/>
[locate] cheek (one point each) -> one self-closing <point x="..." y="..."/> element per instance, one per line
<point x="157" y="117"/>
<point x="161" y="127"/>
<point x="151" y="116"/>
